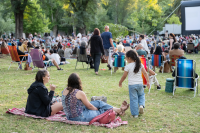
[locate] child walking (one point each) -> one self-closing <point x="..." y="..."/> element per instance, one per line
<point x="134" y="71"/>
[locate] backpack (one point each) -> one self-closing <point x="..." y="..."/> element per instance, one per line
<point x="104" y="118"/>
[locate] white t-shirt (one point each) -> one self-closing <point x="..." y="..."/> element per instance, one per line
<point x="56" y="57"/>
<point x="134" y="78"/>
<point x="145" y="46"/>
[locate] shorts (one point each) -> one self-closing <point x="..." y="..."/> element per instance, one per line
<point x="106" y="52"/>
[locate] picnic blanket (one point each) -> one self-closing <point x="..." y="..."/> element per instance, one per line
<point x="61" y="118"/>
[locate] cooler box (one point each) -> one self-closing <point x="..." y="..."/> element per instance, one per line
<point x="169" y="85"/>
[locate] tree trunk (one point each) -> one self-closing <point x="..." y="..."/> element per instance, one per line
<point x="82" y="30"/>
<point x="19" y="24"/>
<point x="55" y="30"/>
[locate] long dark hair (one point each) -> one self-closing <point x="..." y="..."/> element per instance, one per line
<point x="131" y="54"/>
<point x="158" y="50"/>
<point x="172" y="35"/>
<point x="40" y="74"/>
<point x="74" y="82"/>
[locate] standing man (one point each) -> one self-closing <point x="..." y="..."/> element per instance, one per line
<point x="107" y="43"/>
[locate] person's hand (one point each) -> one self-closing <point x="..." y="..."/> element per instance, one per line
<point x="52" y="87"/>
<point x="148" y="85"/>
<point x="120" y="84"/>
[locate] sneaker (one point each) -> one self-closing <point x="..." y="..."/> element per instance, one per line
<point x="159" y="87"/>
<point x="60" y="69"/>
<point x="141" y="109"/>
<point x="135" y="116"/>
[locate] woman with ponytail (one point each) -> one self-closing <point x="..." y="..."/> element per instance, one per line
<point x="172" y="41"/>
<point x="134" y="71"/>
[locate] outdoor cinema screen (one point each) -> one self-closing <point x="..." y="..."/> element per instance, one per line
<point x="192" y="18"/>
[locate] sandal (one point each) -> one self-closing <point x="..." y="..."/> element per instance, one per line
<point x="123" y="108"/>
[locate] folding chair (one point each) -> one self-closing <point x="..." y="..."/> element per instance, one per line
<point x="185" y="75"/>
<point x="190" y="46"/>
<point x="82" y="58"/>
<point x="37" y="59"/>
<point x="157" y="60"/>
<point x="15" y="57"/>
<point x="119" y="61"/>
<point x="144" y="62"/>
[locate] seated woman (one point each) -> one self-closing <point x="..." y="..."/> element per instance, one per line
<point x="119" y="53"/>
<point x="76" y="105"/>
<point x="38" y="102"/>
<point x="158" y="51"/>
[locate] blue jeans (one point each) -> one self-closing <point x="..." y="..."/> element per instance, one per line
<point x="96" y="58"/>
<point x="87" y="115"/>
<point x="137" y="96"/>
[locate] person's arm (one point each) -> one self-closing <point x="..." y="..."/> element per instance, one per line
<point x="81" y="95"/>
<point x="146" y="76"/>
<point x="46" y="99"/>
<point x="123" y="78"/>
<point x="171" y="41"/>
<point x="101" y="46"/>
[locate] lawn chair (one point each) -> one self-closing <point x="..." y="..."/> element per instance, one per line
<point x="82" y="58"/>
<point x="158" y="60"/>
<point x="185" y="75"/>
<point x="119" y="61"/>
<point x="190" y="46"/>
<point x="15" y="57"/>
<point x="37" y="59"/>
<point x="144" y="62"/>
<point x="173" y="59"/>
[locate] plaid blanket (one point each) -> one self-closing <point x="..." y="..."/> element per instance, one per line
<point x="59" y="117"/>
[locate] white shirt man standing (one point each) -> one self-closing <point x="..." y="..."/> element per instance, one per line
<point x="59" y="38"/>
<point x="144" y="43"/>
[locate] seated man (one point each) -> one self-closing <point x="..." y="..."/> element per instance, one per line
<point x="47" y="56"/>
<point x="119" y="53"/>
<point x="175" y="51"/>
<point x="166" y="65"/>
<point x="56" y="57"/>
<point x="140" y="50"/>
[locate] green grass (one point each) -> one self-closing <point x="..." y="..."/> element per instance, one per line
<point x="163" y="113"/>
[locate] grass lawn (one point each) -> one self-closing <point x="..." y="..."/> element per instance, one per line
<point x="163" y="113"/>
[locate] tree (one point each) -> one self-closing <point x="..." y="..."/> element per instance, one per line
<point x="174" y="19"/>
<point x="117" y="30"/>
<point x="147" y="16"/>
<point x="18" y="8"/>
<point x="34" y="19"/>
<point x="82" y="12"/>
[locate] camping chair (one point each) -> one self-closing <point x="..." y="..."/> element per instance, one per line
<point x="15" y="57"/>
<point x="173" y="59"/>
<point x="158" y="60"/>
<point x="144" y="62"/>
<point x="190" y="46"/>
<point x="119" y="61"/>
<point x="37" y="59"/>
<point x="110" y="59"/>
<point x="185" y="75"/>
<point x="82" y="57"/>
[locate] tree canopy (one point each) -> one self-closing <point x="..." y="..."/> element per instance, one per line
<point x="83" y="16"/>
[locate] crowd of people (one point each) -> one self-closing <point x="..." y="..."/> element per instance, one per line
<point x="74" y="101"/>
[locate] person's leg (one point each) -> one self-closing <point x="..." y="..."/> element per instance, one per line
<point x="115" y="69"/>
<point x="101" y="106"/>
<point x="156" y="81"/>
<point x="94" y="59"/>
<point x="97" y="62"/>
<point x="56" y="108"/>
<point x="133" y="100"/>
<point x="141" y="95"/>
<point x="54" y="62"/>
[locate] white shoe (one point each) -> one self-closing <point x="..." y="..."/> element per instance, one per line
<point x="135" y="116"/>
<point x="141" y="109"/>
